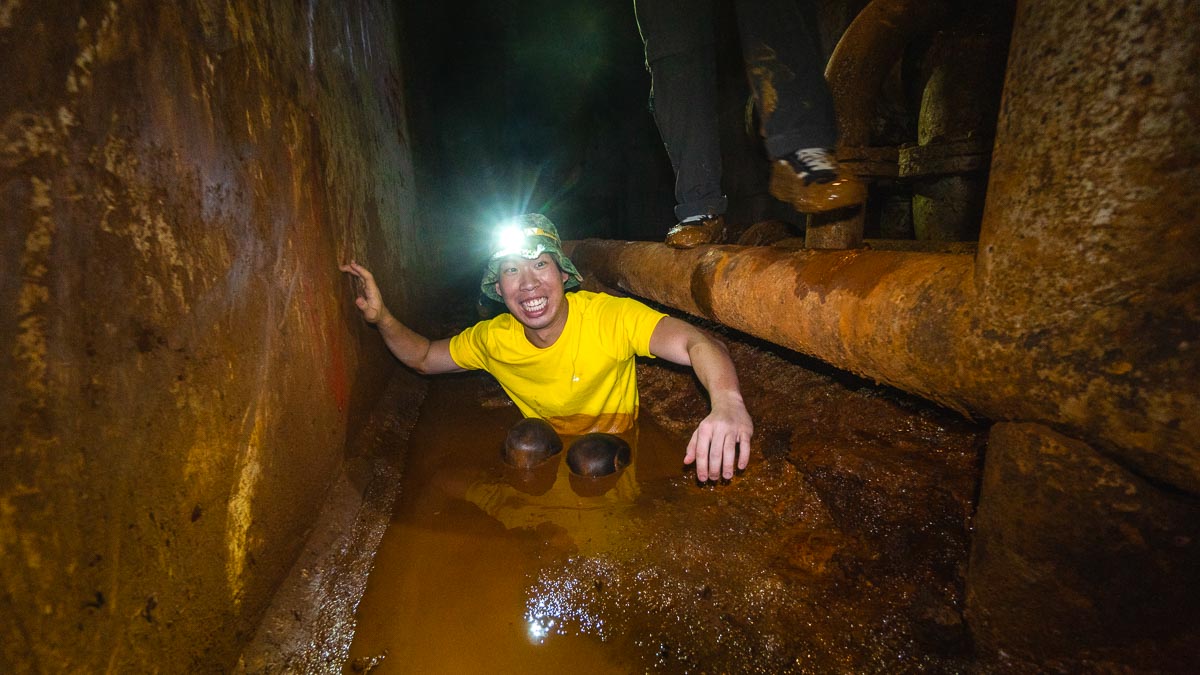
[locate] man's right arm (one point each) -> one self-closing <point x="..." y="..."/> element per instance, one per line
<point x="414" y="350"/>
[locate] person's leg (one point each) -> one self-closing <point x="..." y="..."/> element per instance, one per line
<point x="783" y="62"/>
<point x="678" y="37"/>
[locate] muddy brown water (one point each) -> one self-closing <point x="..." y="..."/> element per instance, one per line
<point x="455" y="585"/>
<point x="840" y="549"/>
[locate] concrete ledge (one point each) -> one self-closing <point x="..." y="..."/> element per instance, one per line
<point x="311" y="621"/>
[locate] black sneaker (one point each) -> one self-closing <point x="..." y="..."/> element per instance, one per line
<point x="814" y="165"/>
<point x="812" y="181"/>
<point x="697" y="230"/>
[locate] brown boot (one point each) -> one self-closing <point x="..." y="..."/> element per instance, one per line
<point x="812" y="181"/>
<point x="710" y="230"/>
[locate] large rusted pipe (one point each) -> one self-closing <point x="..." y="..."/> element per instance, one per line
<point x="1090" y="242"/>
<point x="910" y="320"/>
<point x="887" y="315"/>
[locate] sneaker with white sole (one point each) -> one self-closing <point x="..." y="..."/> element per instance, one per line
<point x="697" y="230"/>
<point x="812" y="181"/>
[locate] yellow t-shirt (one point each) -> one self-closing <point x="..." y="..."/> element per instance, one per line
<point x="586" y="380"/>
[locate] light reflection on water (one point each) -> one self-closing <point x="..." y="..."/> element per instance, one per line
<point x="566" y="603"/>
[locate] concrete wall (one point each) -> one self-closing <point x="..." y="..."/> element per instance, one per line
<point x="180" y="362"/>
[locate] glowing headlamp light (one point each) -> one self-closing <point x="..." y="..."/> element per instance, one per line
<point x="515" y="240"/>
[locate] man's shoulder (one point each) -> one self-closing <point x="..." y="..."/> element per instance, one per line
<point x="600" y="302"/>
<point x="602" y="314"/>
<point x="496" y="325"/>
<point x="478" y="346"/>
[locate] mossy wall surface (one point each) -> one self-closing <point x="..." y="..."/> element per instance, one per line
<point x="181" y="363"/>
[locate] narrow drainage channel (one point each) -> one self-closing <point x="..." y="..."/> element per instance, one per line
<point x="451" y="588"/>
<point x="840" y="549"/>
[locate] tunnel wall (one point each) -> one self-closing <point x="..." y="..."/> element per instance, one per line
<point x="181" y="364"/>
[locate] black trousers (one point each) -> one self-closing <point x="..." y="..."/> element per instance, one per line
<point x="785" y="72"/>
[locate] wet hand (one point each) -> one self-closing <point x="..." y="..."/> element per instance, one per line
<point x="721" y="442"/>
<point x="370" y="303"/>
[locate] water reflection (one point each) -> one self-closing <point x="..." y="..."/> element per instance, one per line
<point x="587" y="511"/>
<point x="539" y="627"/>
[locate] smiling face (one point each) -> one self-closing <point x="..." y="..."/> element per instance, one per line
<point x="533" y="291"/>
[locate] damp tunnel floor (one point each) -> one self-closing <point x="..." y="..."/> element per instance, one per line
<point x="842" y="548"/>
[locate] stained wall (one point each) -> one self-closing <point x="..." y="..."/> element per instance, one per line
<point x="180" y="366"/>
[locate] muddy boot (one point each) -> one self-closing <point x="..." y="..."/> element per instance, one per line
<point x="692" y="232"/>
<point x="812" y="181"/>
<point x="598" y="455"/>
<point x="531" y="442"/>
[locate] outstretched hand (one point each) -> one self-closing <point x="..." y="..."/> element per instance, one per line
<point x="370" y="303"/>
<point x="721" y="441"/>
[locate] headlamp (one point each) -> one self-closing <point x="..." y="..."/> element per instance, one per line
<point x="526" y="236"/>
<point x="512" y="239"/>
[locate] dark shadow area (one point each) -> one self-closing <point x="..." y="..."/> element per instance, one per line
<point x="533" y="106"/>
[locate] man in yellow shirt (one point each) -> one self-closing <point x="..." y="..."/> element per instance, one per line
<point x="569" y="359"/>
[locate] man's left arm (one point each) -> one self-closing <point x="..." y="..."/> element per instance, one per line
<point x="723" y="438"/>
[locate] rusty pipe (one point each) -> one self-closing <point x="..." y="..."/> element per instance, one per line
<point x="911" y="320"/>
<point x="1088" y="247"/>
<point x="864" y="56"/>
<point x="886" y="315"/>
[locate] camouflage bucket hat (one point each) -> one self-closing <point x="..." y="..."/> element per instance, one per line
<point x="527" y="236"/>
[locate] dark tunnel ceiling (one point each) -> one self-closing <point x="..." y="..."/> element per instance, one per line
<point x="521" y="106"/>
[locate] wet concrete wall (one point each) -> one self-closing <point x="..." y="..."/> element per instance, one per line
<point x="180" y="367"/>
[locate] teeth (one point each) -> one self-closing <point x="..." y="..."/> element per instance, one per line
<point x="534" y="305"/>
